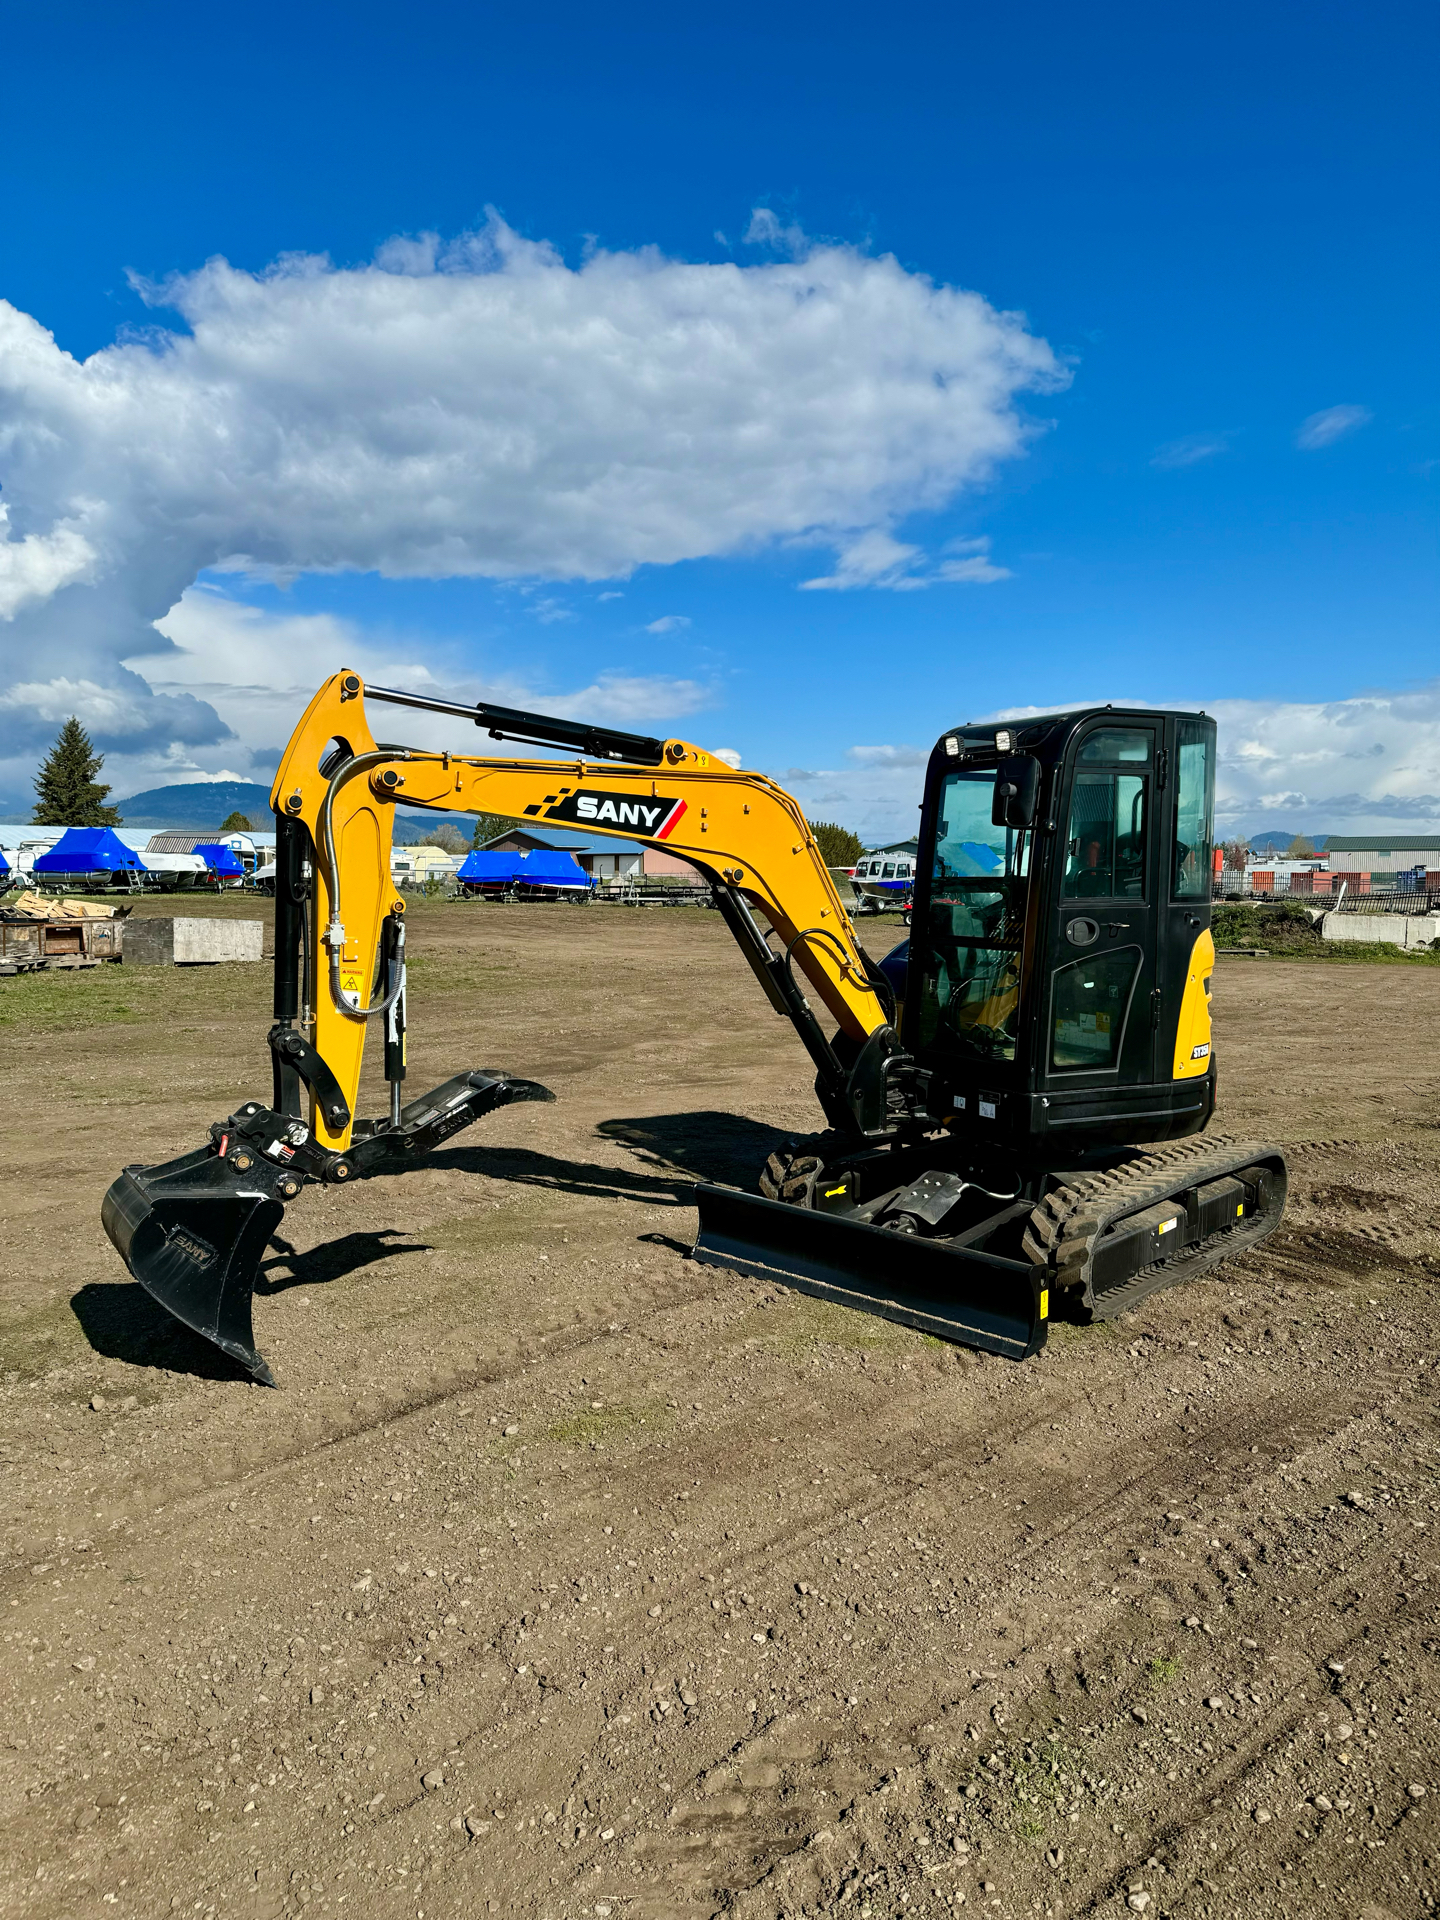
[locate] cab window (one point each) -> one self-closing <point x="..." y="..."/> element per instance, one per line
<point x="888" y="871"/>
<point x="1117" y="743"/>
<point x="1195" y="784"/>
<point x="1089" y="1003"/>
<point x="1106" y="847"/>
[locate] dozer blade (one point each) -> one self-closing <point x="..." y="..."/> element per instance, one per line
<point x="193" y="1231"/>
<point x="961" y="1295"/>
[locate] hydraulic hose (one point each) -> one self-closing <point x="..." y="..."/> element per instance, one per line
<point x="335" y="932"/>
<point x="881" y="988"/>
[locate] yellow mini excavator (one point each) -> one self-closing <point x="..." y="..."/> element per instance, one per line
<point x="979" y="1169"/>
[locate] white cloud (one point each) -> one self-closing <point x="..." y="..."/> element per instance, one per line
<point x="730" y="755"/>
<point x="669" y="624"/>
<point x="1368" y="764"/>
<point x="1190" y="449"/>
<point x="877" y="559"/>
<point x="765" y="230"/>
<point x="969" y="560"/>
<point x="889" y="756"/>
<point x="1343" y="766"/>
<point x="1319" y="430"/>
<point x="260" y="668"/>
<point x="39" y="565"/>
<point x="479" y="408"/>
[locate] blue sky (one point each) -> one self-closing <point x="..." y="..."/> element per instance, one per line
<point x="1213" y="222"/>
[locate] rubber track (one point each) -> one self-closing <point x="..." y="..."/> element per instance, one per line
<point x="1065" y="1227"/>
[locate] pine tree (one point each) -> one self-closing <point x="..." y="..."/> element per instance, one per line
<point x="236" y="823"/>
<point x="487" y="826"/>
<point x="69" y="794"/>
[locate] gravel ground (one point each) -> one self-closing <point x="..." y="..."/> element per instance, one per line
<point x="563" y="1576"/>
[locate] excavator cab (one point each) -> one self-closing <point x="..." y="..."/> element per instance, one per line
<point x="1062" y="912"/>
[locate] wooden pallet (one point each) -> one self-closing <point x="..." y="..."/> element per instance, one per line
<point x="44" y="963"/>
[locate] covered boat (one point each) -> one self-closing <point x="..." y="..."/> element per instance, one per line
<point x="90" y="857"/>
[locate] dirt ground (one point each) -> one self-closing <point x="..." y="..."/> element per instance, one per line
<point x="564" y="1576"/>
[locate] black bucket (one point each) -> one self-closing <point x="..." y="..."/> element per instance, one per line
<point x="192" y="1231"/>
<point x="958" y="1294"/>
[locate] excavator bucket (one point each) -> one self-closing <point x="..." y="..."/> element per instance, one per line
<point x="959" y="1294"/>
<point x="193" y="1231"/>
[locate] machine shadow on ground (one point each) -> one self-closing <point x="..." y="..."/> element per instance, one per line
<point x="699" y="1146"/>
<point x="332" y="1260"/>
<point x="707" y="1144"/>
<point x="120" y="1321"/>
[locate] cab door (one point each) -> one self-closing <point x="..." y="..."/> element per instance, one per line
<point x="1183" y="956"/>
<point x="1099" y="1025"/>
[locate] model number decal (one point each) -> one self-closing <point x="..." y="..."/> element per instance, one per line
<point x="1200" y="1053"/>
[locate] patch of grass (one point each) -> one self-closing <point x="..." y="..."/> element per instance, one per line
<point x="807" y="1323"/>
<point x="74" y="998"/>
<point x="1372" y="950"/>
<point x="1039" y="1784"/>
<point x="31" y="1344"/>
<point x="591" y="1426"/>
<point x="94" y="997"/>
<point x="1164" y="1669"/>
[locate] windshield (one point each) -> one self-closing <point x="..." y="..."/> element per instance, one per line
<point x="967" y="958"/>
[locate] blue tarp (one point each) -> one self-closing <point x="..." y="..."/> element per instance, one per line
<point x="502" y="868"/>
<point x="541" y="867"/>
<point x="221" y="859"/>
<point x="89" y="850"/>
<point x="4" y="864"/>
<point x="544" y="867"/>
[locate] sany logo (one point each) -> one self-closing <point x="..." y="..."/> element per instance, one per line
<point x="649" y="816"/>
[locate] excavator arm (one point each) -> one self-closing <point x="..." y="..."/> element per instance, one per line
<point x="746" y="834"/>
<point x="192" y="1231"/>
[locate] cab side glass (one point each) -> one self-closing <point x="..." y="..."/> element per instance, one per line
<point x="1106" y="845"/>
<point x="1089" y="1003"/>
<point x="1195" y="785"/>
<point x="1117" y="743"/>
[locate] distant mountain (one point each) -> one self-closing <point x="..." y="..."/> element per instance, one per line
<point x="1279" y="841"/>
<point x="199" y="804"/>
<point x="205" y="804"/>
<point x="414" y="830"/>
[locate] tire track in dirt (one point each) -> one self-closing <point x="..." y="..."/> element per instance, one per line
<point x="771" y="1842"/>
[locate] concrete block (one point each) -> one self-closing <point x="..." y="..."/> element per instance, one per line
<point x="1399" y="930"/>
<point x="163" y="940"/>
